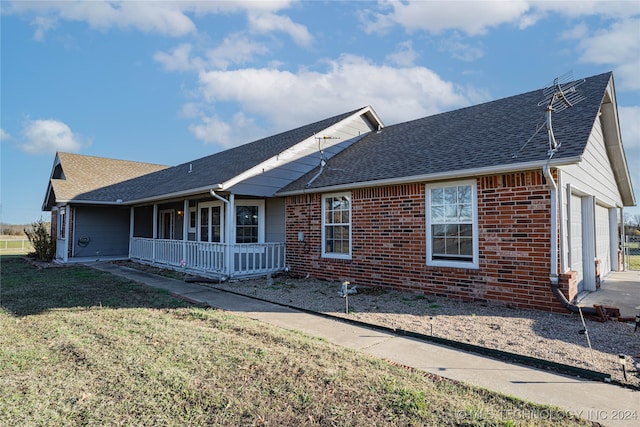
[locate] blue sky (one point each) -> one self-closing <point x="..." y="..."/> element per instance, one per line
<point x="168" y="82"/>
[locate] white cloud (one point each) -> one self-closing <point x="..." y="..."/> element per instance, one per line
<point x="470" y="17"/>
<point x="405" y="56"/>
<point x="461" y="50"/>
<point x="630" y="130"/>
<point x="287" y="99"/>
<point x="267" y="22"/>
<point x="618" y="46"/>
<point x="576" y="32"/>
<point x="235" y="49"/>
<point x="49" y="136"/>
<point x="170" y="18"/>
<point x="476" y="17"/>
<point x="179" y="59"/>
<point x="4" y="135"/>
<point x="214" y="130"/>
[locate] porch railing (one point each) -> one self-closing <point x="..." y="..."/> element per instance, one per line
<point x="211" y="259"/>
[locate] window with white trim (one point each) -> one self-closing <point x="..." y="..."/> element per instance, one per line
<point x="62" y="222"/>
<point x="211" y="222"/>
<point x="249" y="221"/>
<point x="452" y="225"/>
<point x="336" y="225"/>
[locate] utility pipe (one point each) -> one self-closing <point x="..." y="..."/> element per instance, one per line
<point x="553" y="273"/>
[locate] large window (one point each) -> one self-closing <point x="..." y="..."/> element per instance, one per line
<point x="452" y="226"/>
<point x="246" y="224"/>
<point x="336" y="225"/>
<point x="249" y="221"/>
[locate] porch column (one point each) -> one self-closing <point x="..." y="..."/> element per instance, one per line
<point x="67" y="232"/>
<point x="155" y="230"/>
<point x="231" y="234"/>
<point x="131" y="225"/>
<point x="185" y="228"/>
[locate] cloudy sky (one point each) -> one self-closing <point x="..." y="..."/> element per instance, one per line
<point x="168" y="82"/>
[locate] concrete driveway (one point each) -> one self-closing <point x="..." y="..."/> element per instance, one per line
<point x="619" y="289"/>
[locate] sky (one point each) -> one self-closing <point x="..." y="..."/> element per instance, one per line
<point x="169" y="82"/>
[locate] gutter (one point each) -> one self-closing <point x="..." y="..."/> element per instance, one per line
<point x="553" y="273"/>
<point x="431" y="177"/>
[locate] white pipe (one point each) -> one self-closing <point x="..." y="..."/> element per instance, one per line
<point x="553" y="273"/>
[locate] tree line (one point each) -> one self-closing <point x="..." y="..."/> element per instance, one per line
<point x="18" y="229"/>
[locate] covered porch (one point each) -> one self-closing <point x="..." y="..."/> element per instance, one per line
<point x="215" y="260"/>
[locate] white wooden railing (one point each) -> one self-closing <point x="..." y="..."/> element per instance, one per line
<point x="210" y="259"/>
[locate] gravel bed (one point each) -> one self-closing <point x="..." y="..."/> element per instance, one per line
<point x="554" y="337"/>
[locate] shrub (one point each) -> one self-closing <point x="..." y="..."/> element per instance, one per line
<point x="41" y="240"/>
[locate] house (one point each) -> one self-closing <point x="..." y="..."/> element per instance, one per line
<point x="216" y="216"/>
<point x="506" y="201"/>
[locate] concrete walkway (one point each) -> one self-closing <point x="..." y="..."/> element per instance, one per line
<point x="619" y="289"/>
<point x="605" y="403"/>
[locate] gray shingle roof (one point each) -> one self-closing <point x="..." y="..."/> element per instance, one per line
<point x="493" y="134"/>
<point x="205" y="172"/>
<point x="76" y="174"/>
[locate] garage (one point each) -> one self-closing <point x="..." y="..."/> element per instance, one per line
<point x="576" y="240"/>
<point x="603" y="239"/>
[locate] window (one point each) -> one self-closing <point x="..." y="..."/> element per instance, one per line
<point x="210" y="222"/>
<point x="452" y="225"/>
<point x="246" y="224"/>
<point x="62" y="222"/>
<point x="193" y="219"/>
<point x="250" y="221"/>
<point x="336" y="225"/>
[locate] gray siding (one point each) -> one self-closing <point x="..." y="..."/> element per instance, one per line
<point x="594" y="174"/>
<point x="101" y="232"/>
<point x="275" y="223"/>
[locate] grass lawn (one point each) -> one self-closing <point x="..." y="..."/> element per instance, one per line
<point x="82" y="347"/>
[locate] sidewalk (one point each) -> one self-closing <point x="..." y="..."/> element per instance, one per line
<point x="607" y="404"/>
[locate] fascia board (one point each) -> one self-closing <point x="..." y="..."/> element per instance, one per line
<point x="436" y="177"/>
<point x="303" y="148"/>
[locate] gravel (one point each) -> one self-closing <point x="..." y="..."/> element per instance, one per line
<point x="554" y="337"/>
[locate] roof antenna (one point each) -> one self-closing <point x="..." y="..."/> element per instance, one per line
<point x="323" y="158"/>
<point x="558" y="96"/>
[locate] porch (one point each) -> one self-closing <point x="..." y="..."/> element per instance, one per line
<point x="216" y="260"/>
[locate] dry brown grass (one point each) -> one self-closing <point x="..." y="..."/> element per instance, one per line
<point x="81" y="347"/>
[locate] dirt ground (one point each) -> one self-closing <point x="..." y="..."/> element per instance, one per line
<point x="550" y="336"/>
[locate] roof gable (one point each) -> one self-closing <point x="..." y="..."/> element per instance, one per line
<point x="203" y="173"/>
<point x="73" y="175"/>
<point x="506" y="134"/>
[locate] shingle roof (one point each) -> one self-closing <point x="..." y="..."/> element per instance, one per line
<point x="493" y="134"/>
<point x="197" y="174"/>
<point x="75" y="174"/>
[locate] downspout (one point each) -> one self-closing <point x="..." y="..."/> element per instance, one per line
<point x="553" y="273"/>
<point x="227" y="250"/>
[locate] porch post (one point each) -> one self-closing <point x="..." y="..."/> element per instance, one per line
<point x="155" y="230"/>
<point x="67" y="232"/>
<point x="131" y="225"/>
<point x="231" y="234"/>
<point x="185" y="228"/>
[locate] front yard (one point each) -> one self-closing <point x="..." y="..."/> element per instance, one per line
<point x="82" y="347"/>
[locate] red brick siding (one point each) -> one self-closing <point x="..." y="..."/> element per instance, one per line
<point x="389" y="242"/>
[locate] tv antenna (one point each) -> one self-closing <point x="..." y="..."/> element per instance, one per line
<point x="323" y="158"/>
<point x="558" y="96"/>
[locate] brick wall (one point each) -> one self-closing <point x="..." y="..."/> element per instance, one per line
<point x="389" y="242"/>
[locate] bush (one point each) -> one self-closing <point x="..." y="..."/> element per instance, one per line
<point x="41" y="240"/>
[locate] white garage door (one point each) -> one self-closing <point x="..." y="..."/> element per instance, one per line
<point x="576" y="239"/>
<point x="603" y="242"/>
